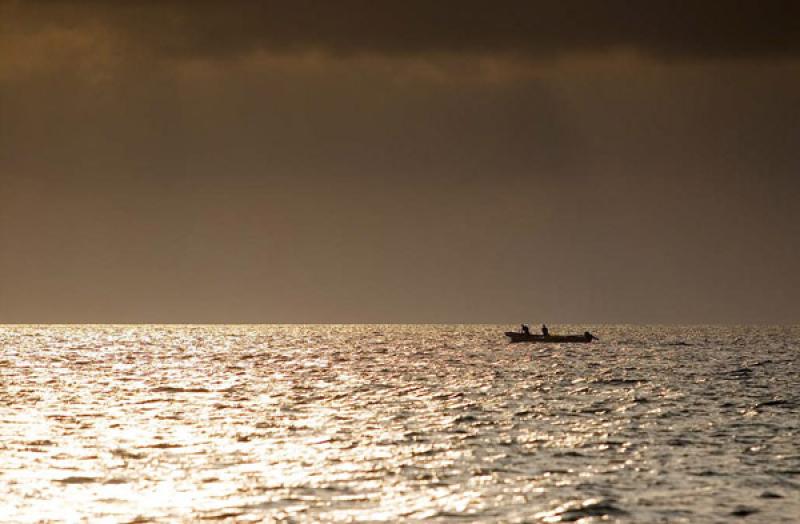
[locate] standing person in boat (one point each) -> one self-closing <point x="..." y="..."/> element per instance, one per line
<point x="545" y="331"/>
<point x="526" y="330"/>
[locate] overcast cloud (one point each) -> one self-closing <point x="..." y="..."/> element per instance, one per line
<point x="399" y="161"/>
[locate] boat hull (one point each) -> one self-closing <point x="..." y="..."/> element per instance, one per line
<point x="550" y="339"/>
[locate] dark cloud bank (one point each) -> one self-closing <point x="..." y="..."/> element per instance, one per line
<point x="666" y="29"/>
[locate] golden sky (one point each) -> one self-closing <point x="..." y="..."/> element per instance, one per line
<point x="399" y="161"/>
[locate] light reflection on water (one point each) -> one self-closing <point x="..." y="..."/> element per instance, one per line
<point x="338" y="423"/>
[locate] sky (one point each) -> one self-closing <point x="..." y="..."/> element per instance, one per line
<point x="414" y="161"/>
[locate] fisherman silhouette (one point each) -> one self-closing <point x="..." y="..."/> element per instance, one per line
<point x="545" y="331"/>
<point x="526" y="329"/>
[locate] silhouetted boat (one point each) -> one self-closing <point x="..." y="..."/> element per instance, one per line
<point x="552" y="339"/>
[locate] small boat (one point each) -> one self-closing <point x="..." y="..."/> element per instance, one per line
<point x="516" y="336"/>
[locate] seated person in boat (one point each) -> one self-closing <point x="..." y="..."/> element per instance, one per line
<point x="525" y="329"/>
<point x="545" y="331"/>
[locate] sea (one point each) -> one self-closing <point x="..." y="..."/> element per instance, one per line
<point x="397" y="423"/>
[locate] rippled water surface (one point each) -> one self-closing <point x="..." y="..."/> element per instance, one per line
<point x="393" y="423"/>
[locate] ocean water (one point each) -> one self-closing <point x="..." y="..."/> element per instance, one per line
<point x="398" y="423"/>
